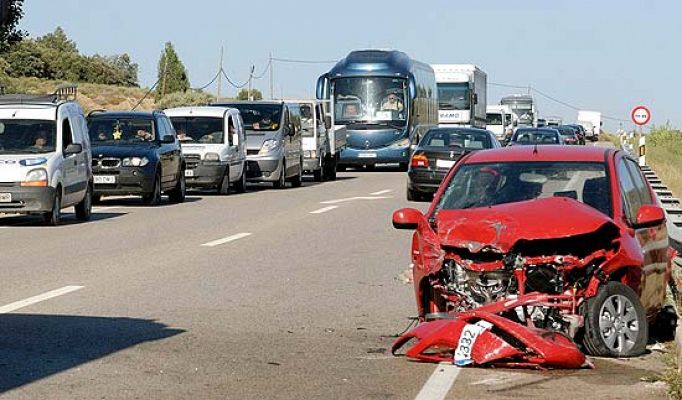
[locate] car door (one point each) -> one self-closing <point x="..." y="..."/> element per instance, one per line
<point x="653" y="241"/>
<point x="69" y="163"/>
<point x="83" y="159"/>
<point x="165" y="151"/>
<point x="176" y="149"/>
<point x="297" y="138"/>
<point x="232" y="147"/>
<point x="240" y="141"/>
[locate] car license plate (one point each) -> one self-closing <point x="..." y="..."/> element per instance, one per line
<point x="189" y="173"/>
<point x="445" y="163"/>
<point x="368" y="155"/>
<point x="467" y="340"/>
<point x="5" y="197"/>
<point x="105" y="179"/>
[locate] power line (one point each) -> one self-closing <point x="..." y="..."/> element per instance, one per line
<point x="265" y="71"/>
<point x="232" y="83"/>
<point x="146" y="94"/>
<point x="210" y="83"/>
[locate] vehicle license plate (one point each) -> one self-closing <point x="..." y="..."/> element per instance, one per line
<point x="445" y="163"/>
<point x="467" y="340"/>
<point x="367" y="155"/>
<point x="5" y="197"/>
<point x="189" y="173"/>
<point x="105" y="179"/>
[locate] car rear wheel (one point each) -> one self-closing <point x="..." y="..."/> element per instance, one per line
<point x="179" y="192"/>
<point x="154" y="198"/>
<point x="282" y="181"/>
<point x="329" y="169"/>
<point x="240" y="185"/>
<point x="615" y="322"/>
<point x="84" y="208"/>
<point x="318" y="175"/>
<point x="54" y="217"/>
<point x="297" y="180"/>
<point x="224" y="186"/>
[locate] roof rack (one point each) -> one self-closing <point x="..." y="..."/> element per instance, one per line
<point x="65" y="92"/>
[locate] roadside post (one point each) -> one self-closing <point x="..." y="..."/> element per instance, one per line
<point x="641" y="116"/>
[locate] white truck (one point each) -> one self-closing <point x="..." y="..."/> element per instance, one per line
<point x="322" y="142"/>
<point x="462" y="94"/>
<point x="498" y="120"/>
<point x="591" y="121"/>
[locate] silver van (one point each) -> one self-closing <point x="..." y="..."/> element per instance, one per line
<point x="274" y="151"/>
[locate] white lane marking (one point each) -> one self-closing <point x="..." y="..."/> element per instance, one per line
<point x="227" y="239"/>
<point x="354" y="199"/>
<point x="379" y="193"/>
<point x="37" y="299"/>
<point x="324" y="210"/>
<point x="439" y="384"/>
<point x="97" y="209"/>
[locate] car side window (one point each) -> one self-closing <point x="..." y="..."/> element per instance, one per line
<point x="231" y="129"/>
<point x="640" y="184"/>
<point x="631" y="198"/>
<point x="160" y="128"/>
<point x="67" y="135"/>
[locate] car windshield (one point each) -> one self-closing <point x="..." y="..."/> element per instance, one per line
<point x="199" y="129"/>
<point x="121" y="130"/>
<point x="493" y="119"/>
<point x="565" y="131"/>
<point x="307" y="120"/>
<point x="370" y="100"/>
<point x="523" y="112"/>
<point x="453" y="96"/>
<point x="259" y="117"/>
<point x="484" y="185"/>
<point x="463" y="138"/>
<point x="535" y="136"/>
<point x="27" y="136"/>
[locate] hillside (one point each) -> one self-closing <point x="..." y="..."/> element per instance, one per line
<point x="90" y="96"/>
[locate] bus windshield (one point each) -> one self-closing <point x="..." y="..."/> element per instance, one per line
<point x="453" y="96"/>
<point x="370" y="100"/>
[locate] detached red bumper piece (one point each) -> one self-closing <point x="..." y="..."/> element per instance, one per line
<point x="482" y="338"/>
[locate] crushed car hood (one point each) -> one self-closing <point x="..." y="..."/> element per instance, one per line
<point x="499" y="227"/>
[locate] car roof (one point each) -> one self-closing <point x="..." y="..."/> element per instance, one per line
<point x="457" y="128"/>
<point x="237" y="102"/>
<point x="540" y="153"/>
<point x="123" y="114"/>
<point x="198" y="111"/>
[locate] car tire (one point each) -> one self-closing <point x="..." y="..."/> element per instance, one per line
<point x="179" y="192"/>
<point x="224" y="185"/>
<point x="297" y="180"/>
<point x="413" y="195"/>
<point x="240" y="185"/>
<point x="154" y="198"/>
<point x="329" y="170"/>
<point x="54" y="216"/>
<point x="318" y="174"/>
<point x="403" y="167"/>
<point x="615" y="322"/>
<point x="281" y="182"/>
<point x="84" y="208"/>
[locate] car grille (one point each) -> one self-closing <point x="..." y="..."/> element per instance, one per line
<point x="252" y="152"/>
<point x="192" y="160"/>
<point x="108" y="162"/>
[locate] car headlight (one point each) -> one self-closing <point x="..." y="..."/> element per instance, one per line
<point x="212" y="157"/>
<point x="401" y="143"/>
<point x="135" y="161"/>
<point x="268" y="146"/>
<point x="310" y="154"/>
<point x="36" y="177"/>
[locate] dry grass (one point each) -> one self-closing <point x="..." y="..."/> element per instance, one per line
<point x="667" y="162"/>
<point x="90" y="96"/>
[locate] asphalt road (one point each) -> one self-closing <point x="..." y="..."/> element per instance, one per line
<point x="273" y="294"/>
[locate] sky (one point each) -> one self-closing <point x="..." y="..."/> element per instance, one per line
<point x="605" y="55"/>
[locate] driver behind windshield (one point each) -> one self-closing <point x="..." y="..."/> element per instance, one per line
<point x="40" y="141"/>
<point x="392" y="103"/>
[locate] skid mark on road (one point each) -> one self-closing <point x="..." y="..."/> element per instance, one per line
<point x="439" y="384"/>
<point x="359" y="198"/>
<point x="37" y="299"/>
<point x="227" y="239"/>
<point x="324" y="210"/>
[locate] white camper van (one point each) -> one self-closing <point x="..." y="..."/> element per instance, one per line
<point x="214" y="146"/>
<point x="45" y="161"/>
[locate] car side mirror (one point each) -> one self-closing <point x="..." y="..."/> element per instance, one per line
<point x="291" y="130"/>
<point x="73" y="148"/>
<point x="407" y="218"/>
<point x="649" y="216"/>
<point x="168" y="139"/>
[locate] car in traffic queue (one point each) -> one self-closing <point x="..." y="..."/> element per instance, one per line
<point x="568" y="134"/>
<point x="214" y="146"/>
<point x="536" y="136"/>
<point x="580" y="131"/>
<point x="437" y="151"/>
<point x="44" y="157"/>
<point x="574" y="233"/>
<point x="274" y="146"/>
<point x="136" y="153"/>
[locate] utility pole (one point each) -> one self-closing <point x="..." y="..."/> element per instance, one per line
<point x="253" y="67"/>
<point x="272" y="79"/>
<point x="220" y="73"/>
<point x="165" y="73"/>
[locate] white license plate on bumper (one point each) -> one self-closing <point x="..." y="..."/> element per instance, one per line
<point x="189" y="173"/>
<point x="105" y="179"/>
<point x="445" y="163"/>
<point x="367" y="155"/>
<point x="5" y="197"/>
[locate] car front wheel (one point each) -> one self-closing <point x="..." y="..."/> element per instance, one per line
<point x="154" y="198"/>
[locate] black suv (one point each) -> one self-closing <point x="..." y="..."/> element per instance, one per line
<point x="136" y="153"/>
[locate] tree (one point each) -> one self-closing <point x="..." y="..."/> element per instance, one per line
<point x="10" y="14"/>
<point x="26" y="59"/>
<point x="244" y="94"/>
<point x="172" y="73"/>
<point x="58" y="41"/>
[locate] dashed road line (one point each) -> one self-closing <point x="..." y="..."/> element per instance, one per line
<point x="324" y="210"/>
<point x="227" y="239"/>
<point x="37" y="299"/>
<point x="379" y="193"/>
<point x="439" y="384"/>
<point x="347" y="199"/>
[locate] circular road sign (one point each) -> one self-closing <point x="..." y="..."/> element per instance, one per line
<point x="641" y="115"/>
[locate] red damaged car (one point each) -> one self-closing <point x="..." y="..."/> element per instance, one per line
<point x="526" y="251"/>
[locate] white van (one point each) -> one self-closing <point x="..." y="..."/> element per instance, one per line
<point x="45" y="160"/>
<point x="214" y="159"/>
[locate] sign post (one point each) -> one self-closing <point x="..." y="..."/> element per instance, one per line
<point x="641" y="116"/>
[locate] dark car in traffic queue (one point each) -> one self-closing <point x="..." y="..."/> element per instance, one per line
<point x="536" y="136"/>
<point x="437" y="151"/>
<point x="580" y="131"/>
<point x="136" y="153"/>
<point x="569" y="134"/>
